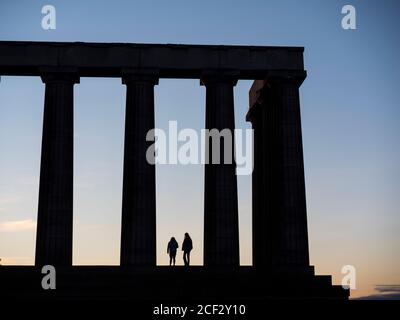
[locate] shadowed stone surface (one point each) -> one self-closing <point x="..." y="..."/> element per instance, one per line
<point x="221" y="229"/>
<point x="138" y="233"/>
<point x="167" y="285"/>
<point x="173" y="60"/>
<point x="280" y="239"/>
<point x="54" y="223"/>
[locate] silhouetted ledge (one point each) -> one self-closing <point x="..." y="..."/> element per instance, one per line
<point x="170" y="60"/>
<point x="182" y="284"/>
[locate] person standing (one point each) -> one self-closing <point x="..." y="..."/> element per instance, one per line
<point x="187" y="246"/>
<point x="171" y="250"/>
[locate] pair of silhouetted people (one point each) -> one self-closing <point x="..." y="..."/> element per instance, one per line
<point x="173" y="246"/>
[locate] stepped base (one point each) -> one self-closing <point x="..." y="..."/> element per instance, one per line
<point x="166" y="284"/>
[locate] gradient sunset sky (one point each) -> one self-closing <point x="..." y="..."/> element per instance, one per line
<point x="350" y="119"/>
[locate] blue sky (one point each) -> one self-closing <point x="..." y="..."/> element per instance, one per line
<point x="350" y="116"/>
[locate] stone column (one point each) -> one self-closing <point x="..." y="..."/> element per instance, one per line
<point x="221" y="230"/>
<point x="138" y="233"/>
<point x="280" y="239"/>
<point x="54" y="223"/>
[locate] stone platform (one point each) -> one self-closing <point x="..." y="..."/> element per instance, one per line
<point x="166" y="285"/>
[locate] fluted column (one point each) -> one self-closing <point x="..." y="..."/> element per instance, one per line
<point x="221" y="230"/>
<point x="280" y="239"/>
<point x="138" y="233"/>
<point x="54" y="222"/>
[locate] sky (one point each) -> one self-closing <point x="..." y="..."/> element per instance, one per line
<point x="349" y="108"/>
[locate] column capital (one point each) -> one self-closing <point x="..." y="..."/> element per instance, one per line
<point x="59" y="75"/>
<point x="219" y="76"/>
<point x="140" y="75"/>
<point x="274" y="81"/>
<point x="285" y="77"/>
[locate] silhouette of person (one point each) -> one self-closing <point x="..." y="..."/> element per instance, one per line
<point x="187" y="246"/>
<point x="171" y="250"/>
